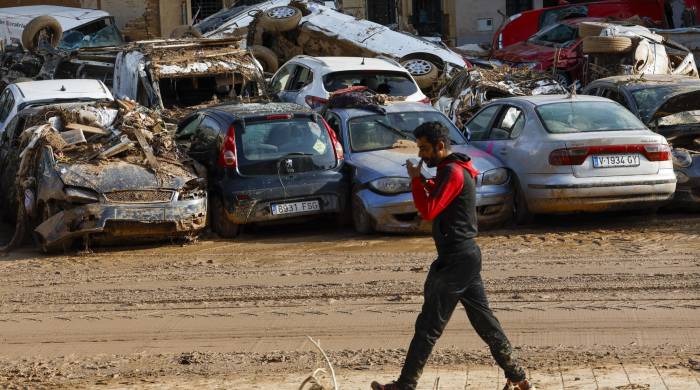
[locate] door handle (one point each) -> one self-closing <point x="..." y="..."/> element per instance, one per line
<point x="503" y="151"/>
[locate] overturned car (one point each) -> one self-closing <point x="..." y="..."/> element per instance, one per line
<point x="98" y="173"/>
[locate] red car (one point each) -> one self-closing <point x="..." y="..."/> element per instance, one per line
<point x="522" y="26"/>
<point x="555" y="48"/>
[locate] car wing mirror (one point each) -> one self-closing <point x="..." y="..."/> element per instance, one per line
<point x="467" y="133"/>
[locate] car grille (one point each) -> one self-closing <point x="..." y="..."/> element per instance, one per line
<point x="139" y="196"/>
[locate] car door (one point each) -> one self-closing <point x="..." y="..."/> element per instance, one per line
<point x="477" y="129"/>
<point x="279" y="82"/>
<point x="504" y="132"/>
<point x="7" y="105"/>
<point x="205" y="143"/>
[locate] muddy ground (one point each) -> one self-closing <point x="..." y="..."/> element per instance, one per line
<point x="608" y="301"/>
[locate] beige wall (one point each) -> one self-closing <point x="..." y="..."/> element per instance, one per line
<point x="171" y="15"/>
<point x="467" y="19"/>
<point x="123" y="11"/>
<point x="357" y="8"/>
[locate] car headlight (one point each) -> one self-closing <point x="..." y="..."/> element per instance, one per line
<point x="495" y="177"/>
<point x="81" y="195"/>
<point x="193" y="189"/>
<point x="681" y="158"/>
<point x="391" y="185"/>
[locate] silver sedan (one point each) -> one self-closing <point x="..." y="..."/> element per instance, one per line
<point x="573" y="154"/>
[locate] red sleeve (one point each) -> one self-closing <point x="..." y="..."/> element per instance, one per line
<point x="430" y="203"/>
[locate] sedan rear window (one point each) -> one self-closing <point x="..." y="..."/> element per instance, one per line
<point x="385" y="82"/>
<point x="284" y="146"/>
<point x="579" y="117"/>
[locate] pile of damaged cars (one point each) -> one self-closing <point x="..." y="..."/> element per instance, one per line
<point x="97" y="172"/>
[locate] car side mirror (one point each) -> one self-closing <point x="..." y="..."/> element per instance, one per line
<point x="467" y="133"/>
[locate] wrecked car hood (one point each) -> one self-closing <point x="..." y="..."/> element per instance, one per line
<point x="677" y="102"/>
<point x="121" y="176"/>
<point x="385" y="163"/>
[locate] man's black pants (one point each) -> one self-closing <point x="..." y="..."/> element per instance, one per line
<point x="456" y="278"/>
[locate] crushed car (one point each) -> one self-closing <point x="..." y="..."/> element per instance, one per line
<point x="378" y="139"/>
<point x="100" y="172"/>
<point x="466" y="92"/>
<point x="670" y="106"/>
<point x="277" y="30"/>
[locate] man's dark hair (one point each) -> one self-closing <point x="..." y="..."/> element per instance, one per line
<point x="433" y="132"/>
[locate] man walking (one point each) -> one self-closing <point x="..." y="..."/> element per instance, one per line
<point x="449" y="201"/>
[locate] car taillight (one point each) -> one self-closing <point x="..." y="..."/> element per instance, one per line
<point x="577" y="155"/>
<point x="339" y="155"/>
<point x="227" y="156"/>
<point x="315" y="102"/>
<point x="658" y="152"/>
<point x="426" y="100"/>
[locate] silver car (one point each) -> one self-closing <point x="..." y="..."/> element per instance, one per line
<point x="572" y="154"/>
<point x="376" y="148"/>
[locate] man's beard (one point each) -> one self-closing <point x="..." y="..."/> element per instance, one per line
<point x="431" y="162"/>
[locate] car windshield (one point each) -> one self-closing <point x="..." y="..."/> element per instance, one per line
<point x="648" y="99"/>
<point x="558" y="35"/>
<point x="212" y="22"/>
<point x="385" y="82"/>
<point x="284" y="146"/>
<point x="581" y="117"/>
<point x="106" y="36"/>
<point x="376" y="132"/>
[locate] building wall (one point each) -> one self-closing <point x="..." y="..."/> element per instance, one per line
<point x="17" y="3"/>
<point x="357" y="8"/>
<point x="472" y="22"/>
<point x="173" y="14"/>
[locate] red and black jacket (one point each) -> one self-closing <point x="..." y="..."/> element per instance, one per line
<point x="449" y="201"/>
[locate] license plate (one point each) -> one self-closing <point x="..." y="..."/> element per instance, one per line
<point x="296" y="207"/>
<point x="616" y="160"/>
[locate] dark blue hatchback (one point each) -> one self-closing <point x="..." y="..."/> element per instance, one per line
<point x="265" y="162"/>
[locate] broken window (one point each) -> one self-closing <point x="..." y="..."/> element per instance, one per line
<point x="558" y="35"/>
<point x="578" y="117"/>
<point x="549" y="17"/>
<point x="389" y="83"/>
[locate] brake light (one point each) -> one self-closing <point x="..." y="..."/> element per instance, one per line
<point x="577" y="155"/>
<point x="426" y="100"/>
<point x="315" y="102"/>
<point x="276" y="117"/>
<point x="339" y="154"/>
<point x="227" y="156"/>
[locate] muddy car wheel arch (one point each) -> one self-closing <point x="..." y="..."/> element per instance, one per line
<point x="219" y="221"/>
<point x="521" y="213"/>
<point x="280" y="19"/>
<point x="266" y="57"/>
<point x="425" y="72"/>
<point x="44" y="212"/>
<point x="31" y="33"/>
<point x="360" y="218"/>
<point x="606" y="44"/>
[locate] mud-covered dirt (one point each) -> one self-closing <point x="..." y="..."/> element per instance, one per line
<point x="590" y="302"/>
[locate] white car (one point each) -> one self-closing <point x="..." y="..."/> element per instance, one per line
<point x="425" y="60"/>
<point x="19" y="96"/>
<point x="310" y="80"/>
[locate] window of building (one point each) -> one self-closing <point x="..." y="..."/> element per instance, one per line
<point x="516" y="6"/>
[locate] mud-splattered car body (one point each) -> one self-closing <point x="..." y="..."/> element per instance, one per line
<point x="381" y="187"/>
<point x="102" y="190"/>
<point x="669" y="105"/>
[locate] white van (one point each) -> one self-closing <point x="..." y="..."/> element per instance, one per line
<point x="66" y="27"/>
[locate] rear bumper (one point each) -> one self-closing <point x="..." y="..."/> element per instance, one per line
<point x="566" y="193"/>
<point x="397" y="214"/>
<point x="135" y="221"/>
<point x="260" y="210"/>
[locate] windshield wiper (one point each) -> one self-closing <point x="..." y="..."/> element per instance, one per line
<point x="396" y="131"/>
<point x="295" y="154"/>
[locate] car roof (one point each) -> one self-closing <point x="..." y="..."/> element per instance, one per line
<point x="257" y="109"/>
<point x="339" y="64"/>
<point x="546" y="99"/>
<point x="42" y="90"/>
<point x="68" y="17"/>
<point x="389" y="108"/>
<point x="640" y="82"/>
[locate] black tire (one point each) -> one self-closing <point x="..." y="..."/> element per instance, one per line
<point x="280" y="19"/>
<point x="219" y="221"/>
<point x="423" y="71"/>
<point x="185" y="31"/>
<point x="266" y="57"/>
<point x="521" y="213"/>
<point x="361" y="221"/>
<point x="32" y="32"/>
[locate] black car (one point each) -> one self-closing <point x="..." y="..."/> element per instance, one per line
<point x="670" y="106"/>
<point x="265" y="162"/>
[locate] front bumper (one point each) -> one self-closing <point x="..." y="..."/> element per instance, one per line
<point x="136" y="221"/>
<point x="397" y="214"/>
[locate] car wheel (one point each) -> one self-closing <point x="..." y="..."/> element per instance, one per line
<point x="31" y="34"/>
<point x="220" y="222"/>
<point x="360" y="218"/>
<point x="266" y="57"/>
<point x="521" y="213"/>
<point x="185" y="31"/>
<point x="606" y="45"/>
<point x="280" y="19"/>
<point x="423" y="71"/>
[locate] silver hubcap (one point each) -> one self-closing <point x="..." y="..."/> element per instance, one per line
<point x="418" y="67"/>
<point x="281" y="12"/>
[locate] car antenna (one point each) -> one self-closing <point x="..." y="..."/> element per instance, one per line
<point x="572" y="92"/>
<point x="63" y="88"/>
<point x="363" y="61"/>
